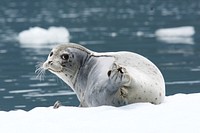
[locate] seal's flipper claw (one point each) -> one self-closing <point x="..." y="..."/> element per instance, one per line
<point x="57" y="104"/>
<point x="118" y="75"/>
<point x="123" y="92"/>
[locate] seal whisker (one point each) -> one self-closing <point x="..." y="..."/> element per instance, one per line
<point x="40" y="71"/>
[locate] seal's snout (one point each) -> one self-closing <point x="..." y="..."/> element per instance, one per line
<point x="50" y="62"/>
<point x="45" y="65"/>
<point x="52" y="65"/>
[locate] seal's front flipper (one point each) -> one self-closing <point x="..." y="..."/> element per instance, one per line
<point x="123" y="92"/>
<point x="119" y="76"/>
<point x="80" y="105"/>
<point x="57" y="104"/>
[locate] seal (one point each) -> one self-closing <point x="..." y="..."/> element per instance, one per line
<point x="111" y="78"/>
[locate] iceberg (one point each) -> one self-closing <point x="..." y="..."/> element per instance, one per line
<point x="178" y="114"/>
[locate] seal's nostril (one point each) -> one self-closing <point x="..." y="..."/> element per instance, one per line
<point x="109" y="72"/>
<point x="50" y="62"/>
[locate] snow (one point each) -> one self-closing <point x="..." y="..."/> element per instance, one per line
<point x="178" y="114"/>
<point x="175" y="35"/>
<point x="35" y="36"/>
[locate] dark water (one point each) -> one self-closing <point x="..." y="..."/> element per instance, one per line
<point x="101" y="25"/>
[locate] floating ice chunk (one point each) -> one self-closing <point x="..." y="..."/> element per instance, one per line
<point x="185" y="31"/>
<point x="181" y="35"/>
<point x="176" y="40"/>
<point x="38" y="35"/>
<point x="113" y="34"/>
<point x="140" y="33"/>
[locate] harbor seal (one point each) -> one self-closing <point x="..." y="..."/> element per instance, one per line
<point x="111" y="78"/>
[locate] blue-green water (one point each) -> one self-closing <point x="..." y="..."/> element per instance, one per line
<point x="100" y="25"/>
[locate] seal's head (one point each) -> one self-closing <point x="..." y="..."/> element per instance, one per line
<point x="65" y="61"/>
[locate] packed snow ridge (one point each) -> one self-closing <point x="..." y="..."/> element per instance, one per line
<point x="178" y="114"/>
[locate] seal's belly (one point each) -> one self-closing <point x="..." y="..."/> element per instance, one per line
<point x="146" y="85"/>
<point x="143" y="89"/>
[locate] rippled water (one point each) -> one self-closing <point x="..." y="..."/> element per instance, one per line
<point x="101" y="25"/>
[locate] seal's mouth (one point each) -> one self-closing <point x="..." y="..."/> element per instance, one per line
<point x="41" y="68"/>
<point x="54" y="67"/>
<point x="55" y="71"/>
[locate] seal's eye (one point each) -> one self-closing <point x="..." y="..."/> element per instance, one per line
<point x="65" y="56"/>
<point x="51" y="54"/>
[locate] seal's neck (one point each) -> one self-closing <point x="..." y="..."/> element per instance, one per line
<point x="80" y="58"/>
<point x="84" y="70"/>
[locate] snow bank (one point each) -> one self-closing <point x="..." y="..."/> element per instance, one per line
<point x="38" y="35"/>
<point x="179" y="114"/>
<point x="181" y="35"/>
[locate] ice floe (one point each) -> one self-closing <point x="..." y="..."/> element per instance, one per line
<point x="178" y="114"/>
<point x="36" y="36"/>
<point x="182" y="35"/>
